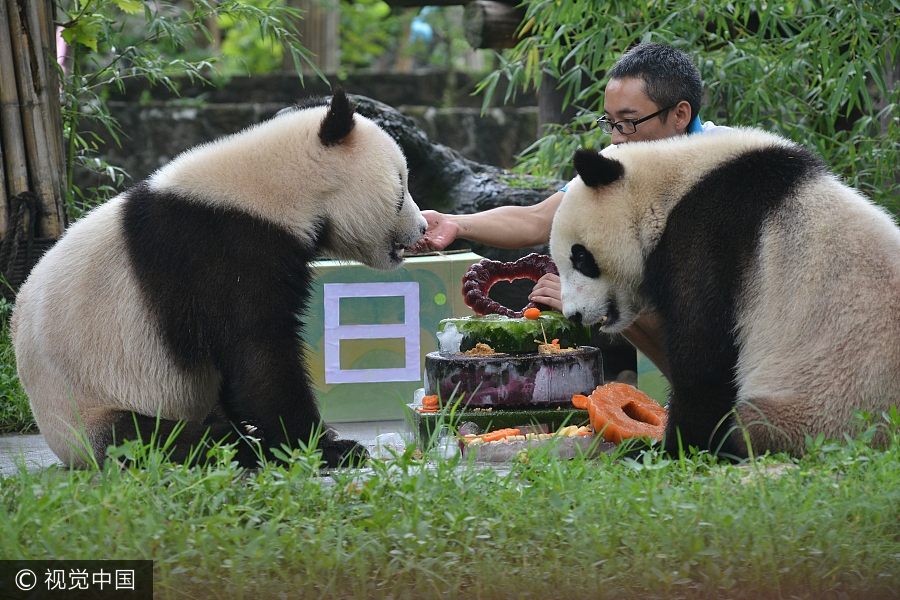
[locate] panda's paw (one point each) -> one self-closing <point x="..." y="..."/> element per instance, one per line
<point x="343" y="453"/>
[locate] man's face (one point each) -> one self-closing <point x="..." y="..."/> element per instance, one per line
<point x="626" y="99"/>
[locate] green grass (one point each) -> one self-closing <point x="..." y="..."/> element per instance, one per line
<point x="826" y="526"/>
<point x="15" y="413"/>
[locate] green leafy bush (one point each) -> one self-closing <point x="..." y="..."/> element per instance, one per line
<point x="815" y="72"/>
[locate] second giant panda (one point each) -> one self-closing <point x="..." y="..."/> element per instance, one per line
<point x="181" y="298"/>
<point x="777" y="287"/>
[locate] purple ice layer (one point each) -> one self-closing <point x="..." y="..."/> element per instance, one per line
<point x="513" y="380"/>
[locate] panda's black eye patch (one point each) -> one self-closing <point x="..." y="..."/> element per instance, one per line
<point x="583" y="262"/>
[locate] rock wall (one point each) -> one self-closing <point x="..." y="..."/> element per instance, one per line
<point x="154" y="133"/>
<point x="157" y="124"/>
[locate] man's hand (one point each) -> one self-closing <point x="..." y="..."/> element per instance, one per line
<point x="439" y="234"/>
<point x="548" y="291"/>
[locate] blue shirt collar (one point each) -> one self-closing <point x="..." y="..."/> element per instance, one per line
<point x="695" y="126"/>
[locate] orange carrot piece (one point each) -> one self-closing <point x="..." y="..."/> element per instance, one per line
<point x="501" y="434"/>
<point x="532" y="313"/>
<point x="430" y="401"/>
<point x="621" y="411"/>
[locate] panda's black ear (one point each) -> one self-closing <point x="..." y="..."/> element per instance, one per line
<point x="338" y="121"/>
<point x="596" y="169"/>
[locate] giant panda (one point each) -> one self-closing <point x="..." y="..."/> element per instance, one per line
<point x="777" y="287"/>
<point x="181" y="298"/>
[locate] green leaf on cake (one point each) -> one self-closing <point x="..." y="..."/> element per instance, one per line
<point x="517" y="336"/>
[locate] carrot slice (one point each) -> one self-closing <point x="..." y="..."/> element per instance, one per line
<point x="500" y="434"/>
<point x="532" y="313"/>
<point x="430" y="401"/>
<point x="621" y="411"/>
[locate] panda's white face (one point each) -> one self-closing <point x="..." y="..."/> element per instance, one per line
<point x="599" y="259"/>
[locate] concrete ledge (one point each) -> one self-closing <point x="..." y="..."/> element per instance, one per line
<point x="32" y="451"/>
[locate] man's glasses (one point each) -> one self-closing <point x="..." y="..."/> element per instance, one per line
<point x="627" y="126"/>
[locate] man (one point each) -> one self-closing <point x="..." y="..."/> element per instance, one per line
<point x="654" y="92"/>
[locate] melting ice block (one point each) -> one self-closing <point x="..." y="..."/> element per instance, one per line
<point x="513" y="380"/>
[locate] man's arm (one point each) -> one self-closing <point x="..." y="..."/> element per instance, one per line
<point x="644" y="335"/>
<point x="502" y="227"/>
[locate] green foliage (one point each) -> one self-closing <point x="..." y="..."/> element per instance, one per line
<point x="811" y="71"/>
<point x="114" y="41"/>
<point x="251" y="45"/>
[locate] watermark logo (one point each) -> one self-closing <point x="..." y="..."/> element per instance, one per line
<point x="76" y="579"/>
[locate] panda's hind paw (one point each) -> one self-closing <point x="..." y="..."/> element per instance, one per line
<point x="343" y="453"/>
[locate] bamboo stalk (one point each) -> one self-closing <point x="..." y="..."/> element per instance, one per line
<point x="25" y="34"/>
<point x="14" y="162"/>
<point x="47" y="18"/>
<point x="44" y="89"/>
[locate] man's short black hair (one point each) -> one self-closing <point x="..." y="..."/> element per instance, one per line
<point x="669" y="75"/>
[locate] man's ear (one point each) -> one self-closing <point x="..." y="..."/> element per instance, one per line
<point x="682" y="115"/>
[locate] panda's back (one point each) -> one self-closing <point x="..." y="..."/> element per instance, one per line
<point x="829" y="265"/>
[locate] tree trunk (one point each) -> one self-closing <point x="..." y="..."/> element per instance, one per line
<point x="12" y="141"/>
<point x="550" y="101"/>
<point x="38" y="100"/>
<point x="489" y="24"/>
<point x="318" y="33"/>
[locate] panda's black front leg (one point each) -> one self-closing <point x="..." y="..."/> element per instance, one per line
<point x="700" y="417"/>
<point x="267" y="385"/>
